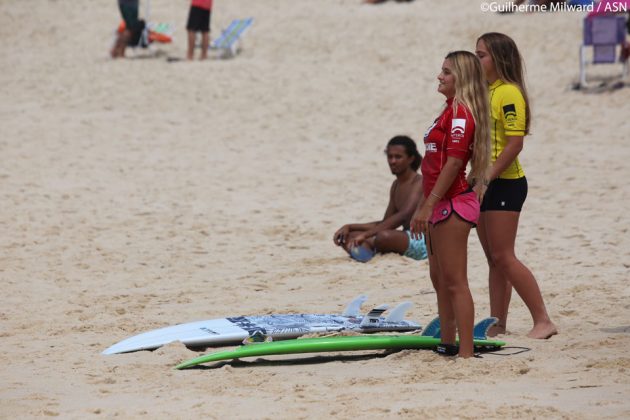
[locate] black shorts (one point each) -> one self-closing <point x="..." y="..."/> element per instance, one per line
<point x="198" y="20"/>
<point x="505" y="194"/>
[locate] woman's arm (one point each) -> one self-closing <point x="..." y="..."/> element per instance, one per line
<point x="449" y="172"/>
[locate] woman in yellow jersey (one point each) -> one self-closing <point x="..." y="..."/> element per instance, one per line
<point x="507" y="190"/>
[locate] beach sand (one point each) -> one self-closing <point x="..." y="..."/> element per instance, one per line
<point x="142" y="193"/>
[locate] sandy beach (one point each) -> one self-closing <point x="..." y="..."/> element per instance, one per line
<point x="142" y="193"/>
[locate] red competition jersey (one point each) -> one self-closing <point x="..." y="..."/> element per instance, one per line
<point x="450" y="135"/>
<point x="204" y="4"/>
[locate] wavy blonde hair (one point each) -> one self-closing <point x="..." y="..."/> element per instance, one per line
<point x="471" y="89"/>
<point x="509" y="65"/>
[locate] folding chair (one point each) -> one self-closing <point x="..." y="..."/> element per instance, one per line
<point x="228" y="44"/>
<point x="604" y="34"/>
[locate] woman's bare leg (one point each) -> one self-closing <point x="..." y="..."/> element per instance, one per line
<point x="500" y="230"/>
<point x="448" y="330"/>
<point x="500" y="290"/>
<point x="450" y="245"/>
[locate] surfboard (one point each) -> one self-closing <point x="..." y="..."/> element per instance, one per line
<point x="331" y="344"/>
<point x="234" y="330"/>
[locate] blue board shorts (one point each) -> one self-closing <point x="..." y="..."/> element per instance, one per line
<point x="417" y="248"/>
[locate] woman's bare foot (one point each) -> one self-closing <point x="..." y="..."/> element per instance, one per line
<point x="543" y="330"/>
<point x="495" y="330"/>
<point x="465" y="354"/>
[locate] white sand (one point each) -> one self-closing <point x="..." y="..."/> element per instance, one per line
<point x="138" y="194"/>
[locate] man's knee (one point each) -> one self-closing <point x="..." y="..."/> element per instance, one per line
<point x="391" y="241"/>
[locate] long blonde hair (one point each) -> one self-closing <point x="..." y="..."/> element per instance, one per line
<point x="471" y="90"/>
<point x="509" y="65"/>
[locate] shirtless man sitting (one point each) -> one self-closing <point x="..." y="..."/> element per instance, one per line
<point x="363" y="240"/>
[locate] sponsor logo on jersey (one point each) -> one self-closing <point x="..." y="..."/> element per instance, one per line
<point x="458" y="128"/>
<point x="430" y="147"/>
<point x="509" y="113"/>
<point x="426" y="134"/>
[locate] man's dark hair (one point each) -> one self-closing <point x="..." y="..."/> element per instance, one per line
<point x="410" y="148"/>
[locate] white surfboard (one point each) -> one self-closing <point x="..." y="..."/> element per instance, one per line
<point x="234" y="330"/>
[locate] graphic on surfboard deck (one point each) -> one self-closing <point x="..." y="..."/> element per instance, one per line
<point x="331" y="344"/>
<point x="234" y="330"/>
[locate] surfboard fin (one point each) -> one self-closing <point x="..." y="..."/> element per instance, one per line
<point x="354" y="307"/>
<point x="398" y="313"/>
<point x="373" y="318"/>
<point x="432" y="329"/>
<point x="480" y="331"/>
<point x="257" y="337"/>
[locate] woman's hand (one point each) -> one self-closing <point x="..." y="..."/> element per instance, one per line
<point x="420" y="220"/>
<point x="480" y="189"/>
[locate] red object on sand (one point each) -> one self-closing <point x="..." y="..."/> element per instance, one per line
<point x="153" y="36"/>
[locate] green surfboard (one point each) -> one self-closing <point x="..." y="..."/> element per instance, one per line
<point x="330" y="344"/>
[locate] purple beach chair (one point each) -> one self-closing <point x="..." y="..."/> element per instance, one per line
<point x="604" y="34"/>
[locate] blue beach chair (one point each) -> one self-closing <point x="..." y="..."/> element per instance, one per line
<point x="228" y="44"/>
<point x="604" y="34"/>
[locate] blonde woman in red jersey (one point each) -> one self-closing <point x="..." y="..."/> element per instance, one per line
<point x="450" y="208"/>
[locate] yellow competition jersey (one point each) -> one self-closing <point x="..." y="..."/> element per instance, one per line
<point x="508" y="119"/>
